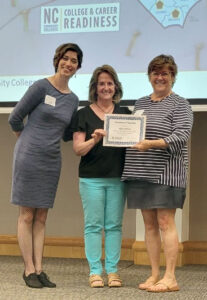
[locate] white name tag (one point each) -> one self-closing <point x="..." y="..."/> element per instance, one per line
<point x="50" y="100"/>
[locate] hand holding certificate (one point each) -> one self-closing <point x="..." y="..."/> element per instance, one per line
<point x="123" y="130"/>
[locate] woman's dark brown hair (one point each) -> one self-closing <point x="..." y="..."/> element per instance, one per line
<point x="62" y="49"/>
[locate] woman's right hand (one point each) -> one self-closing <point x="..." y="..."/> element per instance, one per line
<point x="17" y="133"/>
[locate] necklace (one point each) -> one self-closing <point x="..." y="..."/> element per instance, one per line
<point x="159" y="99"/>
<point x="106" y="111"/>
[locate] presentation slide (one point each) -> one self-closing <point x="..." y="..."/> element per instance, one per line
<point x="126" y="34"/>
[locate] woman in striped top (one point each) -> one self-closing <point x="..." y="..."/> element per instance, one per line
<point x="156" y="169"/>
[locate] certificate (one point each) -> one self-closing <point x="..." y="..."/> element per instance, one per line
<point x="123" y="130"/>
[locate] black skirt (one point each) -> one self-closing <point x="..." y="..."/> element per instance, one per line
<point x="147" y="195"/>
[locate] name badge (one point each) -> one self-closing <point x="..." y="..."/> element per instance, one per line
<point x="50" y="100"/>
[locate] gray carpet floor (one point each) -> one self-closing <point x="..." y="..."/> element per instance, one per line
<point x="71" y="277"/>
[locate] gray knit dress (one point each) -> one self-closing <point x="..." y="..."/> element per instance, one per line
<point x="37" y="156"/>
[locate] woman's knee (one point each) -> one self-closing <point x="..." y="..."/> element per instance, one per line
<point x="41" y="215"/>
<point x="93" y="228"/>
<point x="151" y="227"/>
<point x="166" y="220"/>
<point x="26" y="215"/>
<point x="115" y="227"/>
<point x="150" y="220"/>
<point x="94" y="221"/>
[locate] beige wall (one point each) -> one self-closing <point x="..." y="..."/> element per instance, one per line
<point x="66" y="218"/>
<point x="198" y="179"/>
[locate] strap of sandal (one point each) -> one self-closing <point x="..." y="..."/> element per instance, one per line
<point x="95" y="277"/>
<point x="113" y="277"/>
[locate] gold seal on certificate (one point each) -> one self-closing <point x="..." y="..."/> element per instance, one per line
<point x="123" y="130"/>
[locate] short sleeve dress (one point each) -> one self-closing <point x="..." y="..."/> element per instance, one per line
<point x="37" y="156"/>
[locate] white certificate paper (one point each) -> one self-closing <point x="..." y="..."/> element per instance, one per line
<point x="123" y="130"/>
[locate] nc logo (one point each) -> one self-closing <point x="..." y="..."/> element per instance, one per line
<point x="50" y="15"/>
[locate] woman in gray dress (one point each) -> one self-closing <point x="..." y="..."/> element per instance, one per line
<point x="49" y="105"/>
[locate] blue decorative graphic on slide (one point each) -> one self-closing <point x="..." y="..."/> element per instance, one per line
<point x="124" y="34"/>
<point x="169" y="12"/>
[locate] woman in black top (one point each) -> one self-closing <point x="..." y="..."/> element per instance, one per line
<point x="100" y="169"/>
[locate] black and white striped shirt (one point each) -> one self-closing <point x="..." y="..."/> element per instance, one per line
<point x="170" y="119"/>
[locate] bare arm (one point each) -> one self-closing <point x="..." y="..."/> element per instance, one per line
<point x="150" y="144"/>
<point x="81" y="146"/>
<point x="31" y="99"/>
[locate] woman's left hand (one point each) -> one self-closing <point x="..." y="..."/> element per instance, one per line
<point x="144" y="145"/>
<point x="98" y="134"/>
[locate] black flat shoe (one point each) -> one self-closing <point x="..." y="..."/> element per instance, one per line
<point x="32" y="281"/>
<point x="45" y="280"/>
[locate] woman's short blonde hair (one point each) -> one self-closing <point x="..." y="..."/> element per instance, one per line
<point x="94" y="81"/>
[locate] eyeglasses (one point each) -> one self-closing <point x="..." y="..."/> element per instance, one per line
<point x="162" y="74"/>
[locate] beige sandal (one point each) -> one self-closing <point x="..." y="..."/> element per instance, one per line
<point x="163" y="288"/>
<point x="96" y="281"/>
<point x="114" y="280"/>
<point x="148" y="283"/>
